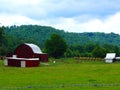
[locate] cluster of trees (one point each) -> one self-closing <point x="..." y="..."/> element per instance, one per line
<point x="92" y="50"/>
<point x="3" y="47"/>
<point x="57" y="47"/>
<point x="58" y="43"/>
<point x="8" y="42"/>
<point x="39" y="34"/>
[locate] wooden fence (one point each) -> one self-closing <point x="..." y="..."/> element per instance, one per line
<point x="88" y="58"/>
<point x="2" y="57"/>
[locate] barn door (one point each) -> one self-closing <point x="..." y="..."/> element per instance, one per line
<point x="6" y="62"/>
<point x="23" y="64"/>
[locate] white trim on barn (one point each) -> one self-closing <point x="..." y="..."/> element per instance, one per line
<point x="6" y="62"/>
<point x="22" y="58"/>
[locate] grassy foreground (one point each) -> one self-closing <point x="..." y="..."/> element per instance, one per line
<point x="66" y="75"/>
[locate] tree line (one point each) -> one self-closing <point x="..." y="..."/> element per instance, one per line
<point x="57" y="47"/>
<point x="39" y="34"/>
<point x="70" y="45"/>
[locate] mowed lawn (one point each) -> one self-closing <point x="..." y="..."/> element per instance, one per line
<point x="86" y="75"/>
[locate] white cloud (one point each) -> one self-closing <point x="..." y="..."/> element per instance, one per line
<point x="108" y="25"/>
<point x="38" y="9"/>
<point x="69" y="15"/>
<point x="15" y="20"/>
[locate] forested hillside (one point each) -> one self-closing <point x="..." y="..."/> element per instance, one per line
<point x="78" y="44"/>
<point x="40" y="33"/>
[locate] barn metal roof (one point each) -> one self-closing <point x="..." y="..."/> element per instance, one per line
<point x="34" y="47"/>
<point x="110" y="55"/>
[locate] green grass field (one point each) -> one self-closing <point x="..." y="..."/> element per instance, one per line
<point x="63" y="75"/>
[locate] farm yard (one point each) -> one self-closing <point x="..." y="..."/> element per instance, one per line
<point x="58" y="74"/>
<point x="60" y="45"/>
<point x="65" y="74"/>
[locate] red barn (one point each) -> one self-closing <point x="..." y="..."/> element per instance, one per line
<point x="26" y="55"/>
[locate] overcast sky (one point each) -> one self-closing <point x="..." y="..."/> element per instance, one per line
<point x="68" y="15"/>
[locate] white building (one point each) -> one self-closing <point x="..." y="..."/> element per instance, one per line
<point x="110" y="57"/>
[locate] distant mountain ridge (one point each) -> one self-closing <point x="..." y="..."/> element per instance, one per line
<point x="40" y="33"/>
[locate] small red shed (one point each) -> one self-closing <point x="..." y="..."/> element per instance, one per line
<point x="26" y="55"/>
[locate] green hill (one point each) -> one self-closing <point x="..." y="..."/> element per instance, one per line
<point x="91" y="44"/>
<point x="39" y="34"/>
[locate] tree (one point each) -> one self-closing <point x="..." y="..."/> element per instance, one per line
<point x="1" y="34"/>
<point x="68" y="53"/>
<point x="55" y="46"/>
<point x="90" y="46"/>
<point x="99" y="51"/>
<point x="3" y="50"/>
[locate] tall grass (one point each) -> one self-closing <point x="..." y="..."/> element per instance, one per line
<point x="62" y="75"/>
